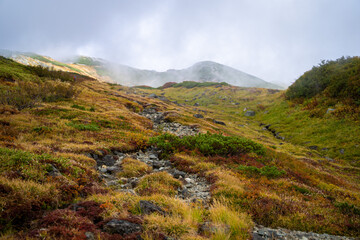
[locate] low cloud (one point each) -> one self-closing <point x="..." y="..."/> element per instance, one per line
<point x="274" y="40"/>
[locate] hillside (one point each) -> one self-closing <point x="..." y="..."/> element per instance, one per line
<point x="116" y="73"/>
<point x="85" y="159"/>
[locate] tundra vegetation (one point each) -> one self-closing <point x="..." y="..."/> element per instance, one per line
<point x="51" y="121"/>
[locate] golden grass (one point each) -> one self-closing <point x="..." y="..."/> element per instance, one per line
<point x="133" y="168"/>
<point x="240" y="223"/>
<point x="160" y="182"/>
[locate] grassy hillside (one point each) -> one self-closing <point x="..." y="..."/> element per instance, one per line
<point x="50" y="187"/>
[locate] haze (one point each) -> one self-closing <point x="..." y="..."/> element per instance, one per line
<point x="275" y="40"/>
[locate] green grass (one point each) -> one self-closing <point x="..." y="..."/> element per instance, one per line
<point x="84" y="127"/>
<point x="207" y="144"/>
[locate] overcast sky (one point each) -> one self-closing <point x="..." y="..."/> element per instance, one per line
<point x="276" y="40"/>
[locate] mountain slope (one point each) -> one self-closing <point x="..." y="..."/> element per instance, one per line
<point x="86" y="158"/>
<point x="110" y="72"/>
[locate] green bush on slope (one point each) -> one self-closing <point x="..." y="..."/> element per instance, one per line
<point x="336" y="79"/>
<point x="207" y="144"/>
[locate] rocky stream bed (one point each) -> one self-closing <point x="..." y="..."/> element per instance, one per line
<point x="195" y="188"/>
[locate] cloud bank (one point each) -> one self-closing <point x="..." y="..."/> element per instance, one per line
<point x="275" y="40"/>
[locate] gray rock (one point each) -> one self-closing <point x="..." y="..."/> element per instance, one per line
<point x="329" y="110"/>
<point x="198" y="115"/>
<point x="342" y="151"/>
<point x="122" y="227"/>
<point x="249" y="113"/>
<point x="108" y="160"/>
<point x="54" y="172"/>
<point x="147" y="207"/>
<point x="89" y="236"/>
<point x="153" y="95"/>
<point x="177" y="174"/>
<point x="219" y="122"/>
<point x="313" y="147"/>
<point x="196" y="104"/>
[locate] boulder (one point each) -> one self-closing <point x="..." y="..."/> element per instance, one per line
<point x="314" y="147"/>
<point x="219" y="122"/>
<point x="177" y="174"/>
<point x="250" y="113"/>
<point x="147" y="207"/>
<point x="153" y="95"/>
<point x="121" y="227"/>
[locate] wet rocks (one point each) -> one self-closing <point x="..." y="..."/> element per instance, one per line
<point x="263" y="233"/>
<point x="164" y="122"/>
<point x="122" y="227"/>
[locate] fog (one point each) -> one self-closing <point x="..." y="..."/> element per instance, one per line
<point x="274" y="40"/>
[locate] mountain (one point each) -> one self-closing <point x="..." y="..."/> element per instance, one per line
<point x="206" y="71"/>
<point x="106" y="71"/>
<point x="84" y="159"/>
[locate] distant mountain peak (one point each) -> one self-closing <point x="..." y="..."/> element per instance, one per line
<point x="204" y="71"/>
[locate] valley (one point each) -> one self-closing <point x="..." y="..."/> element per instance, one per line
<point x="84" y="159"/>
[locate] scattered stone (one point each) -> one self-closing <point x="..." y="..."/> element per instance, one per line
<point x="263" y="233"/>
<point x="153" y="95"/>
<point x="147" y="207"/>
<point x="189" y="180"/>
<point x="208" y="228"/>
<point x="342" y="151"/>
<point x="89" y="236"/>
<point x="250" y="113"/>
<point x="121" y="227"/>
<point x="329" y="110"/>
<point x="54" y="172"/>
<point x="196" y="104"/>
<point x="313" y="147"/>
<point x="177" y="174"/>
<point x="198" y="115"/>
<point x="219" y="122"/>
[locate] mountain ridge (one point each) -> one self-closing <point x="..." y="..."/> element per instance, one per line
<point x="103" y="70"/>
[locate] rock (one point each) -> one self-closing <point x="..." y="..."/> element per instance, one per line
<point x="313" y="147"/>
<point x="121" y="227"/>
<point x="189" y="180"/>
<point x="153" y="95"/>
<point x="342" y="151"/>
<point x="208" y="228"/>
<point x="153" y="156"/>
<point x="177" y="174"/>
<point x="108" y="160"/>
<point x="133" y="182"/>
<point x="329" y="110"/>
<point x="157" y="164"/>
<point x="147" y="207"/>
<point x="54" y="172"/>
<point x="219" y="122"/>
<point x="89" y="236"/>
<point x="198" y="115"/>
<point x="196" y="104"/>
<point x="249" y="113"/>
<point x="241" y="125"/>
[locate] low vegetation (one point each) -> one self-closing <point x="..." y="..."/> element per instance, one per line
<point x="50" y="188"/>
<point x="207" y="144"/>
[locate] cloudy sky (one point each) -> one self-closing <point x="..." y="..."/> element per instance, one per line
<point x="276" y="40"/>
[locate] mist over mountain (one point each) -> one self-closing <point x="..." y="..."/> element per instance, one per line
<point x="206" y="71"/>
